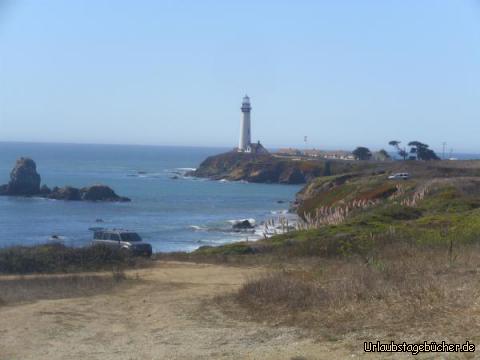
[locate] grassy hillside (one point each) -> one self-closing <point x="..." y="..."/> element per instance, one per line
<point x="377" y="212"/>
<point x="402" y="265"/>
<point x="265" y="168"/>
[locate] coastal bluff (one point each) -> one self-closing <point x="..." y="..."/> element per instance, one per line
<point x="267" y="168"/>
<point x="25" y="181"/>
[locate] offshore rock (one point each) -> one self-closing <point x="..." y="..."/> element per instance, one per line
<point x="242" y="225"/>
<point x="45" y="190"/>
<point x="101" y="193"/>
<point x="65" y="193"/>
<point x="24" y="179"/>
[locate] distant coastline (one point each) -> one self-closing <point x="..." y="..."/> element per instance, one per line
<point x="463" y="155"/>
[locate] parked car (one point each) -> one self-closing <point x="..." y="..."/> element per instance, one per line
<point x="399" y="176"/>
<point x="124" y="240"/>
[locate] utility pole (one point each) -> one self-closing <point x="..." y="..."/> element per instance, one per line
<point x="444" y="146"/>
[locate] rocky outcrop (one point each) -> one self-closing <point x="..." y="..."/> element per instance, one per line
<point x="243" y="225"/>
<point x="65" y="193"/>
<point x="100" y="193"/>
<point x="90" y="193"/>
<point x="25" y="181"/>
<point x="45" y="190"/>
<point x="266" y="168"/>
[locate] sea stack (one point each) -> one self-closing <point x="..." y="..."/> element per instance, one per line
<point x="24" y="179"/>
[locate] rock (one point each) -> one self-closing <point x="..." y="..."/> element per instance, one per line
<point x="259" y="168"/>
<point x="100" y="193"/>
<point x="65" y="193"/>
<point x="24" y="179"/>
<point x="242" y="225"/>
<point x="90" y="193"/>
<point x="292" y="175"/>
<point x="45" y="190"/>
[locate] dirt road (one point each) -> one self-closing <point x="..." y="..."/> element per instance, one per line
<point x="167" y="314"/>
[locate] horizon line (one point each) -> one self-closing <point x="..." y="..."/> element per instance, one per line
<point x="276" y="147"/>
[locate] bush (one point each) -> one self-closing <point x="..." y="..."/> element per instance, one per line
<point x="17" y="289"/>
<point x="60" y="258"/>
<point x="398" y="212"/>
<point x="229" y="249"/>
<point x="390" y="290"/>
<point x="281" y="289"/>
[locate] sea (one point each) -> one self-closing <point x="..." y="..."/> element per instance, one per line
<point x="169" y="210"/>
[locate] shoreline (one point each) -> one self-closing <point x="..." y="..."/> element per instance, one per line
<point x="265" y="228"/>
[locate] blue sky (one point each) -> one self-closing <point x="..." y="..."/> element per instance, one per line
<point x="343" y="72"/>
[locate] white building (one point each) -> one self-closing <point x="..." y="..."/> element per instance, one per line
<point x="245" y="142"/>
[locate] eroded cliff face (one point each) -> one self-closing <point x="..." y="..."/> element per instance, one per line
<point x="266" y="168"/>
<point x="258" y="168"/>
<point x="358" y="191"/>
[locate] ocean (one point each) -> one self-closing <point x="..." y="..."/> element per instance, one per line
<point x="172" y="214"/>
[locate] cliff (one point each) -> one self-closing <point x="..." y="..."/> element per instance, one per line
<point x="373" y="186"/>
<point x="266" y="168"/>
<point x="258" y="168"/>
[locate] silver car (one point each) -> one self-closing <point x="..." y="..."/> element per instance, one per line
<point x="399" y="176"/>
<point x="124" y="240"/>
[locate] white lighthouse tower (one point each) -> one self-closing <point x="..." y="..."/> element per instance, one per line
<point x="244" y="145"/>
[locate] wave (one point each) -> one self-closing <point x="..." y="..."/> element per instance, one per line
<point x="144" y="174"/>
<point x="226" y="227"/>
<point x="186" y="169"/>
<point x="198" y="228"/>
<point x="233" y="222"/>
<point x="279" y="212"/>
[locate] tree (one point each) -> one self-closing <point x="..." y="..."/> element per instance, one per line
<point x="327" y="171"/>
<point x="383" y="154"/>
<point x="420" y="151"/>
<point x="362" y="153"/>
<point x="401" y="152"/>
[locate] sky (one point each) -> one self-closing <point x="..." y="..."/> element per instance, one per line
<point x="344" y="73"/>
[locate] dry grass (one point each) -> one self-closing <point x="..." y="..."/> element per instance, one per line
<point x="402" y="288"/>
<point x="20" y="289"/>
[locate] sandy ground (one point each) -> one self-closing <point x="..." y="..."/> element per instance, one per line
<point x="167" y="314"/>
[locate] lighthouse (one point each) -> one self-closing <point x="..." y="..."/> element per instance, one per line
<point x="244" y="144"/>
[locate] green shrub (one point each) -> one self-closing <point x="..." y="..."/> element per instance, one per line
<point x="397" y="212"/>
<point x="230" y="249"/>
<point x="60" y="258"/>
